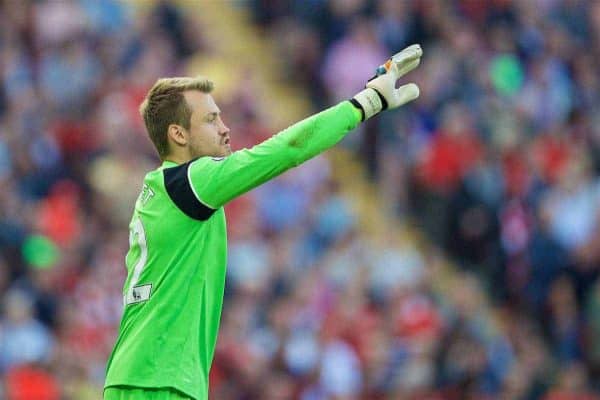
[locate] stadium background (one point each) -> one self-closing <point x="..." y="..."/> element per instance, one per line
<point x="448" y="250"/>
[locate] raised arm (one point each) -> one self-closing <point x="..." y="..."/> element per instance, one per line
<point x="215" y="181"/>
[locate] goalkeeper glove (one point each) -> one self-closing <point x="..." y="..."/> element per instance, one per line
<point x="381" y="93"/>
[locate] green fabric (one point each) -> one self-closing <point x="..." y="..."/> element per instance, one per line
<point x="177" y="264"/>
<point x="216" y="181"/>
<point x="133" y="393"/>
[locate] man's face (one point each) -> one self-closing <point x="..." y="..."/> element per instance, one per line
<point x="208" y="135"/>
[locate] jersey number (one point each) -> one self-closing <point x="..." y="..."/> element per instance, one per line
<point x="134" y="293"/>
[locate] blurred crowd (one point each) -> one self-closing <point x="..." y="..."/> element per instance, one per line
<point x="497" y="163"/>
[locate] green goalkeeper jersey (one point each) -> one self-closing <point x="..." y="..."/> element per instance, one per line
<point x="177" y="258"/>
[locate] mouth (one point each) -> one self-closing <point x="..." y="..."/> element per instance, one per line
<point x="227" y="141"/>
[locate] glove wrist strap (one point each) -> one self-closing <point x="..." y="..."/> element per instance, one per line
<point x="370" y="102"/>
<point x="356" y="104"/>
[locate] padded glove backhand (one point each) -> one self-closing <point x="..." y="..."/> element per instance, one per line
<point x="381" y="92"/>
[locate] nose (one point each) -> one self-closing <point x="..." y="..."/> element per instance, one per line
<point x="223" y="129"/>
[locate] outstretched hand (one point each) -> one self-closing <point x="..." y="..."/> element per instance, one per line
<point x="381" y="92"/>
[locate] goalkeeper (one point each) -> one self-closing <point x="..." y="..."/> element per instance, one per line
<point x="176" y="262"/>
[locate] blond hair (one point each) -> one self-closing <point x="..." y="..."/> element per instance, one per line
<point x="165" y="105"/>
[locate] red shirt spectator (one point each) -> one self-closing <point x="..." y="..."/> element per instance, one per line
<point x="31" y="383"/>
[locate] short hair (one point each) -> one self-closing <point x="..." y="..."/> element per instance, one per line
<point x="165" y="104"/>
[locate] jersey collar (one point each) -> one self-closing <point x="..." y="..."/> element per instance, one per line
<point x="168" y="164"/>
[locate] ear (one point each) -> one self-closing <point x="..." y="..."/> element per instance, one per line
<point x="177" y="134"/>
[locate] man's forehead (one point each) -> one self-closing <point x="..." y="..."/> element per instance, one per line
<point x="200" y="101"/>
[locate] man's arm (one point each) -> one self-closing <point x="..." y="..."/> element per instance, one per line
<point x="216" y="181"/>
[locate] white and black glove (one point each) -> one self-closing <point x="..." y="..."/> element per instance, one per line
<point x="381" y="92"/>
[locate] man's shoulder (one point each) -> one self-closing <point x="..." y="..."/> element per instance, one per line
<point x="151" y="183"/>
<point x="179" y="188"/>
